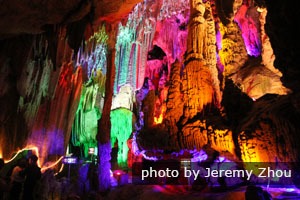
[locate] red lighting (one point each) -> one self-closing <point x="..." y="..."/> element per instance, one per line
<point x="118" y="173"/>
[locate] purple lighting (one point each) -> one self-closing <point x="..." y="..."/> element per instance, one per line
<point x="247" y="21"/>
<point x="70" y="160"/>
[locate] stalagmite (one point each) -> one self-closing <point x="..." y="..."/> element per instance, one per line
<point x="200" y="76"/>
<point x="174" y="103"/>
<point x="104" y="123"/>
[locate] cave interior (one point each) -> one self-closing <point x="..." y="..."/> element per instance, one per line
<point x="115" y="84"/>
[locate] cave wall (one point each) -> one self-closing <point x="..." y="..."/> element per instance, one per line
<point x="42" y="81"/>
<point x="14" y="129"/>
<point x="44" y="98"/>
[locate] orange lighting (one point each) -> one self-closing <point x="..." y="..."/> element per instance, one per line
<point x="36" y="152"/>
<point x="52" y="165"/>
<point x="158" y="120"/>
<point x="32" y="148"/>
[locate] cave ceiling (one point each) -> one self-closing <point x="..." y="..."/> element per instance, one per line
<point x="33" y="17"/>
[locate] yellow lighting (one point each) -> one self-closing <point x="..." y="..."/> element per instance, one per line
<point x="158" y="120"/>
<point x="260" y="10"/>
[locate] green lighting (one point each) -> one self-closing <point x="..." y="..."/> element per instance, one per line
<point x="100" y="36"/>
<point x="93" y="54"/>
<point x="121" y="129"/>
<point x="85" y="126"/>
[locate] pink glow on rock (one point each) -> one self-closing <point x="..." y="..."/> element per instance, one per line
<point x="219" y="40"/>
<point x="248" y="21"/>
<point x="171" y="36"/>
<point x="153" y="71"/>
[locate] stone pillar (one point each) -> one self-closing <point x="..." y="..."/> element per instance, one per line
<point x="200" y="77"/>
<point x="104" y="124"/>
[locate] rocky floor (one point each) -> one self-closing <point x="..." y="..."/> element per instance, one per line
<point x="149" y="192"/>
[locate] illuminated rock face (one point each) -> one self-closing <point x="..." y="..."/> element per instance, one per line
<point x="270" y="131"/>
<point x="257" y="76"/>
<point x="200" y="77"/>
<point x="174" y="104"/>
<point x="244" y="56"/>
<point x="46" y="101"/>
<point x="52" y="130"/>
<point x="233" y="53"/>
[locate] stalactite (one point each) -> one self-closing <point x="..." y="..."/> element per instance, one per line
<point x="92" y="55"/>
<point x="171" y="35"/>
<point x="254" y="78"/>
<point x="123" y="51"/>
<point x="134" y="40"/>
<point x="84" y="129"/>
<point x="144" y="39"/>
<point x="172" y="7"/>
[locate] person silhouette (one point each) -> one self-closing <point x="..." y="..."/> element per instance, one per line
<point x="17" y="179"/>
<point x="33" y="175"/>
<point x="3" y="184"/>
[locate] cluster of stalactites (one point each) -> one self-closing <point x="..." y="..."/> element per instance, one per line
<point x="171" y="36"/>
<point x="172" y="7"/>
<point x="134" y="40"/>
<point x="85" y="126"/>
<point x="92" y="55"/>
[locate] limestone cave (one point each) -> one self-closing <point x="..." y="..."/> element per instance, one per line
<point x="105" y="93"/>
